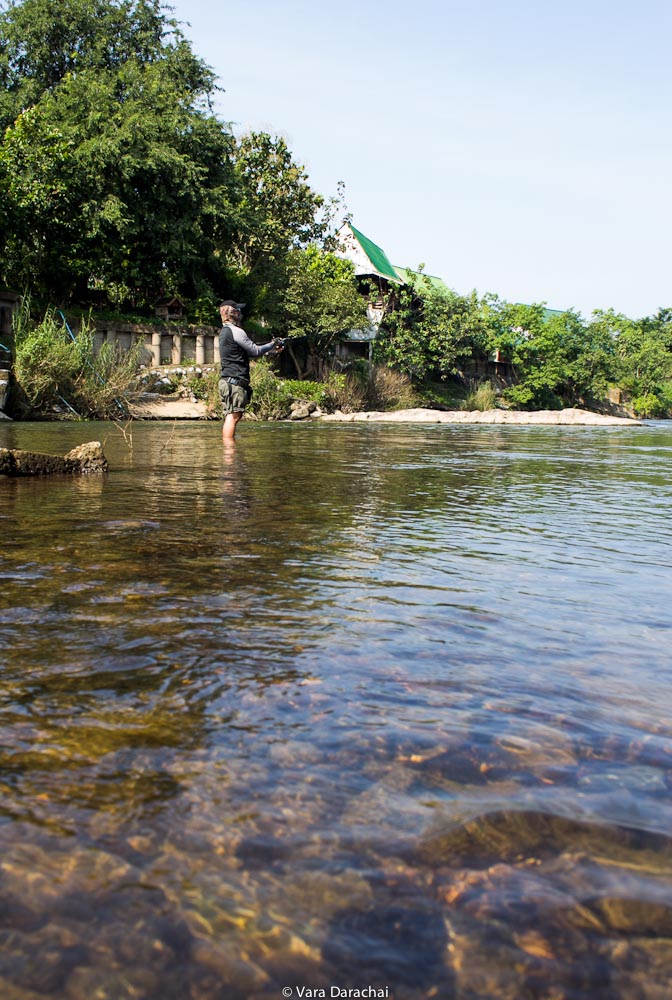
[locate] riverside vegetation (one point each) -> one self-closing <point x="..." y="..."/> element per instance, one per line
<point x="57" y="374"/>
<point x="120" y="185"/>
<point x="61" y="375"/>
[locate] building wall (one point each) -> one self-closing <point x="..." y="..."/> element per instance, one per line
<point x="352" y="251"/>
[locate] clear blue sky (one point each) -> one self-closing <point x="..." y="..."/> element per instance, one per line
<point x="522" y="147"/>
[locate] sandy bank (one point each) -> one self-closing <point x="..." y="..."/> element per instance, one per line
<point x="155" y="407"/>
<point x="423" y="416"/>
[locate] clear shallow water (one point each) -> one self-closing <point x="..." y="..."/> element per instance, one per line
<point x="350" y="706"/>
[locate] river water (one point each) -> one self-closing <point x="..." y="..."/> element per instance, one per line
<point x="349" y="706"/>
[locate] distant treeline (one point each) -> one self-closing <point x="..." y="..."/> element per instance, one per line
<point x="550" y="359"/>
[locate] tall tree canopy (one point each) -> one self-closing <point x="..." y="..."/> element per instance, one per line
<point x="114" y="170"/>
<point x="43" y="41"/>
<point x="277" y="213"/>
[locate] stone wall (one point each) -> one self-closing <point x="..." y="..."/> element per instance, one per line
<point x="167" y="344"/>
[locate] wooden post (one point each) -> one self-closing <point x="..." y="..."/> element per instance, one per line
<point x="155" y="349"/>
<point x="177" y="349"/>
<point x="200" y="349"/>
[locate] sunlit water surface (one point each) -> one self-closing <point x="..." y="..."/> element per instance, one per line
<point x="355" y="706"/>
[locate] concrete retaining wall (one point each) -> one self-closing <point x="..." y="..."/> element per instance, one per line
<point x="163" y="345"/>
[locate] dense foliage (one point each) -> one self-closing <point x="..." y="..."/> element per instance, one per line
<point x="117" y="179"/>
<point x="119" y="184"/>
<point x="549" y="359"/>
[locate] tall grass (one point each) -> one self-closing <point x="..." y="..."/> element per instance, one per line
<point x="388" y="389"/>
<point x="52" y="370"/>
<point x="483" y="397"/>
<point x="347" y="391"/>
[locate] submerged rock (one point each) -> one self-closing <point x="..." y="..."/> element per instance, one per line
<point x="513" y="835"/>
<point x="83" y="459"/>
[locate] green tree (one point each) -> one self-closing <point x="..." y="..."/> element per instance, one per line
<point x="277" y="212"/>
<point x="138" y="197"/>
<point x="402" y="341"/>
<point x="321" y="302"/>
<point x="644" y="360"/>
<point x="432" y="331"/>
<point x="42" y="42"/>
<point x="561" y="361"/>
<point x="35" y="164"/>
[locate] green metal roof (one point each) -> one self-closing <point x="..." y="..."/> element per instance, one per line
<point x="407" y="276"/>
<point x="548" y="313"/>
<point x="376" y="255"/>
<point x="381" y="264"/>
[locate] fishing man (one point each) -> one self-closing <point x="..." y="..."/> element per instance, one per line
<point x="235" y="351"/>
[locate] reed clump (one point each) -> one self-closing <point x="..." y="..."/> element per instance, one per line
<point x="391" y="390"/>
<point x="56" y="371"/>
<point x="482" y="398"/>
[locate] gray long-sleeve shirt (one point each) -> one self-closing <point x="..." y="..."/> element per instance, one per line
<point x="236" y="349"/>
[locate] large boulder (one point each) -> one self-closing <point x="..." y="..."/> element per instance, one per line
<point x="83" y="459"/>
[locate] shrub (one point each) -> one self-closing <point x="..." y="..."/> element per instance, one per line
<point x="448" y="395"/>
<point x="526" y="397"/>
<point x="53" y="369"/>
<point x="390" y="390"/>
<point x="483" y="397"/>
<point x="271" y="396"/>
<point x="345" y="392"/>
<point x="206" y="388"/>
<point x="650" y="406"/>
<point x="308" y="392"/>
<point x="665" y="397"/>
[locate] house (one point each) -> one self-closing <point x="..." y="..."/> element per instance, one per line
<point x="170" y="308"/>
<point x="378" y="278"/>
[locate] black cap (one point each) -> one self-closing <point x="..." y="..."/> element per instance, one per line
<point x="235" y="305"/>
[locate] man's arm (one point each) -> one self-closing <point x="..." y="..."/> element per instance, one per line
<point x="254" y="350"/>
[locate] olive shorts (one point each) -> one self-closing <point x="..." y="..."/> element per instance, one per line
<point x="234" y="397"/>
